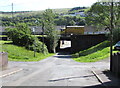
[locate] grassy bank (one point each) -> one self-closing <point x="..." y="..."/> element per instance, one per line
<point x="93" y="54"/>
<point x="17" y="53"/>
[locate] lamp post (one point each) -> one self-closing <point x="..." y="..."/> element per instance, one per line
<point x="34" y="40"/>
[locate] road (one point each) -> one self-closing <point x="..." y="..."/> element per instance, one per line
<point x="58" y="70"/>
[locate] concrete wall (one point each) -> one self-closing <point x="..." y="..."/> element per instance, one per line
<point x="82" y="42"/>
<point x="78" y="42"/>
<point x="3" y="60"/>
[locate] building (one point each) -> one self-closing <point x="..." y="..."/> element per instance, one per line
<point x="73" y="30"/>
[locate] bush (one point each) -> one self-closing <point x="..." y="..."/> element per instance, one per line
<point x="38" y="46"/>
<point x="21" y="36"/>
<point x="76" y="55"/>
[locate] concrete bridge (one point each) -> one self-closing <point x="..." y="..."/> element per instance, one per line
<point x="81" y="42"/>
<point x="78" y="42"/>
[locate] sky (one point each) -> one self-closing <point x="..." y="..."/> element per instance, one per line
<point x="34" y="5"/>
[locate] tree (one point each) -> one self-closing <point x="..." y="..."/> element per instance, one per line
<point x="49" y="27"/>
<point x="21" y="34"/>
<point x="116" y="35"/>
<point x="99" y="14"/>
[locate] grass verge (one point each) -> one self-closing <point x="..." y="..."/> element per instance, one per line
<point x="17" y="53"/>
<point x="93" y="54"/>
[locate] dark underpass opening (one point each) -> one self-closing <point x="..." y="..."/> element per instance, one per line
<point x="65" y="46"/>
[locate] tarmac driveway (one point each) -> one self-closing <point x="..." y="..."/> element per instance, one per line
<point x="58" y="70"/>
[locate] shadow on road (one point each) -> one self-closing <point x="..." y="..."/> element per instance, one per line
<point x="114" y="80"/>
<point x="63" y="55"/>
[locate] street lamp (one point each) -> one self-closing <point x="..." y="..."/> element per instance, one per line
<point x="33" y="30"/>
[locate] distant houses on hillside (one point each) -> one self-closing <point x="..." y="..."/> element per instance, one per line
<point x="76" y="11"/>
<point x="38" y="30"/>
<point x="80" y="13"/>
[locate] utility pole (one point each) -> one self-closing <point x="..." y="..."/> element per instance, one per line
<point x="111" y="34"/>
<point x="12" y="10"/>
<point x="43" y="36"/>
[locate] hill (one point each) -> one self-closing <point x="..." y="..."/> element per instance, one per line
<point x="24" y="13"/>
<point x="32" y="13"/>
<point x="62" y="17"/>
<point x="78" y="9"/>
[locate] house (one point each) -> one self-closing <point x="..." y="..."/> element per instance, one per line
<point x="69" y="29"/>
<point x="38" y="29"/>
<point x="73" y="30"/>
<point x="82" y="30"/>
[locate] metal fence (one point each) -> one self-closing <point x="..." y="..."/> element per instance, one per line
<point x="115" y="64"/>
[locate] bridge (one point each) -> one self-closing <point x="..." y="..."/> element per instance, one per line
<point x="81" y="42"/>
<point x="78" y="42"/>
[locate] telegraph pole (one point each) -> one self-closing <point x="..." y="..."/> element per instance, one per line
<point x="111" y="34"/>
<point x="12" y="10"/>
<point x="43" y="36"/>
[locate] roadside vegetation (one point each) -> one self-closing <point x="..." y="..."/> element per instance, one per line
<point x="22" y="36"/>
<point x="93" y="54"/>
<point x="24" y="44"/>
<point x="18" y="53"/>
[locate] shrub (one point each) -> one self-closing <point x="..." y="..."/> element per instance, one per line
<point x="38" y="46"/>
<point x="21" y="36"/>
<point x="76" y="55"/>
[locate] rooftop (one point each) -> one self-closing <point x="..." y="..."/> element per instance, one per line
<point x="75" y="26"/>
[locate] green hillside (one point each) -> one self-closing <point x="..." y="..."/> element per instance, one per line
<point x="22" y="53"/>
<point x="62" y="17"/>
<point x="24" y="13"/>
<point x="93" y="54"/>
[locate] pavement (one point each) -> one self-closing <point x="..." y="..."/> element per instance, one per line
<point x="60" y="70"/>
<point x="10" y="71"/>
<point x="107" y="79"/>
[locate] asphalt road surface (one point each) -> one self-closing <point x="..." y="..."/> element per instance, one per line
<point x="58" y="70"/>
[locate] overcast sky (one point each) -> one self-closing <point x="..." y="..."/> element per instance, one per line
<point x="28" y="5"/>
